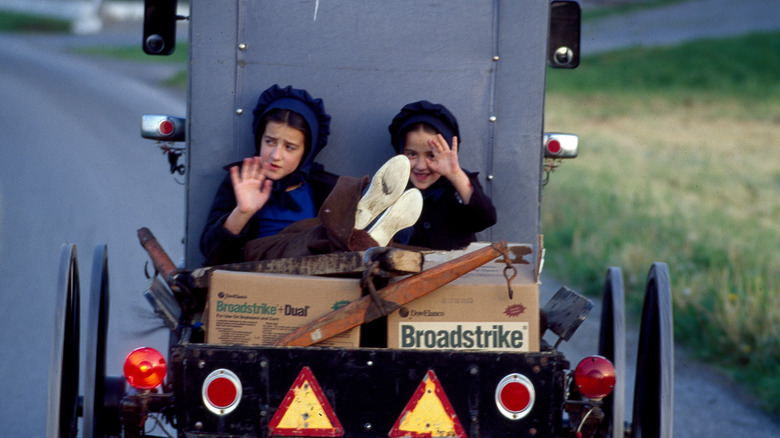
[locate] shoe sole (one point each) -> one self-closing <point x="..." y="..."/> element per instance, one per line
<point x="387" y="185"/>
<point x="403" y="214"/>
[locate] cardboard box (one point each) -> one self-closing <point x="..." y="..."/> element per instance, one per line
<point x="474" y="312"/>
<point x="471" y="317"/>
<point x="256" y="309"/>
<point x="525" y="257"/>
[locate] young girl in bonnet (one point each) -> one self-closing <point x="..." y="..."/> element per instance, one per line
<point x="455" y="207"/>
<point x="282" y="184"/>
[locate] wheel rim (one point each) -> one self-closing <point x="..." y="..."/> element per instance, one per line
<point x="612" y="345"/>
<point x="63" y="401"/>
<point x="100" y="419"/>
<point x="654" y="384"/>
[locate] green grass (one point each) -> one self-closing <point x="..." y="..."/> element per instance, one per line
<point x="617" y="8"/>
<point x="745" y="67"/>
<point x="21" y="22"/>
<point x="678" y="163"/>
<point x="136" y="54"/>
<point x="178" y="80"/>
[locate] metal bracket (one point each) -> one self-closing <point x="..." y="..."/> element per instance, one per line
<point x="378" y="307"/>
<point x="565" y="312"/>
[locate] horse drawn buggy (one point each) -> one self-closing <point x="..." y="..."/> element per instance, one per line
<point x="487" y="376"/>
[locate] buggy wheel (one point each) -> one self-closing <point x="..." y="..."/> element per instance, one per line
<point x="63" y="402"/>
<point x="654" y="384"/>
<point x="101" y="395"/>
<point x="612" y="345"/>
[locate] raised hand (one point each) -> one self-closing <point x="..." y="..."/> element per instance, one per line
<point x="252" y="190"/>
<point x="251" y="187"/>
<point x="444" y="160"/>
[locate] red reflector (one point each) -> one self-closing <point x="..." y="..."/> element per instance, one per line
<point x="554" y="147"/>
<point x="221" y="391"/>
<point x="145" y="368"/>
<point x="165" y="127"/>
<point x="595" y="377"/>
<point x="515" y="396"/>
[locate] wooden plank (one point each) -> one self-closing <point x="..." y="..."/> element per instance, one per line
<point x="396" y="261"/>
<point x="160" y="259"/>
<point x="391" y="260"/>
<point x="393" y="296"/>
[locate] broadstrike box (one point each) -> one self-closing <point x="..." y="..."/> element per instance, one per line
<point x="256" y="309"/>
<point x="475" y="311"/>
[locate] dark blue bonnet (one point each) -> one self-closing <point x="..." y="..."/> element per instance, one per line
<point x="434" y="114"/>
<point x="313" y="111"/>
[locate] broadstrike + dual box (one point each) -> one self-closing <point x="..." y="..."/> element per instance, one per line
<point x="475" y="312"/>
<point x="256" y="309"/>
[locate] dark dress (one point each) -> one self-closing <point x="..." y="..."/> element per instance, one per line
<point x="220" y="246"/>
<point x="445" y="222"/>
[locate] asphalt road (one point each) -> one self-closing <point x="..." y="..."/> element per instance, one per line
<point x="74" y="169"/>
<point x="677" y="22"/>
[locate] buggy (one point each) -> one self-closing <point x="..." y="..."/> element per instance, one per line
<point x="487" y="60"/>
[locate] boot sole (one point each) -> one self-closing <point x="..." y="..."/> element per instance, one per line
<point x="403" y="214"/>
<point x="386" y="187"/>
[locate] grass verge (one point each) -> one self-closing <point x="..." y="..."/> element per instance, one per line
<point x="136" y="54"/>
<point x="677" y="164"/>
<point x="609" y="8"/>
<point x="21" y="22"/>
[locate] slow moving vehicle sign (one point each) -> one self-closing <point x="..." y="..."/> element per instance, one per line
<point x="428" y="413"/>
<point x="305" y="411"/>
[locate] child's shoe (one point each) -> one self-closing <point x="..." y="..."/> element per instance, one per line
<point x="386" y="187"/>
<point x="402" y="214"/>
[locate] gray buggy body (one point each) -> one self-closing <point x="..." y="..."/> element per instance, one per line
<point x="483" y="59"/>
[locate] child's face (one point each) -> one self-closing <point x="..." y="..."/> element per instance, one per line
<point x="417" y="149"/>
<point x="281" y="149"/>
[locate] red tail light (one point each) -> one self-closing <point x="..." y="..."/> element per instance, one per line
<point x="221" y="391"/>
<point x="595" y="377"/>
<point x="145" y="368"/>
<point x="558" y="145"/>
<point x="165" y="128"/>
<point x="515" y="396"/>
<point x="553" y="147"/>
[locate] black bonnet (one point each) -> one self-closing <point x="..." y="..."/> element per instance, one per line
<point x="434" y="114"/>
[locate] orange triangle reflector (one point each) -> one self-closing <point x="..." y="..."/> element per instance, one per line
<point x="428" y="414"/>
<point x="305" y="411"/>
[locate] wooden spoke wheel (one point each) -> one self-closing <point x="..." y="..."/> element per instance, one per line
<point x="612" y="345"/>
<point x="654" y="384"/>
<point x="63" y="403"/>
<point x="101" y="395"/>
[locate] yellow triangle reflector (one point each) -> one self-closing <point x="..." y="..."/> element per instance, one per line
<point x="428" y="414"/>
<point x="305" y="411"/>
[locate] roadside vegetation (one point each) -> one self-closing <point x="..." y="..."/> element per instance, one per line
<point x="136" y="54"/>
<point x="21" y="22"/>
<point x="17" y="22"/>
<point x="678" y="163"/>
<point x="603" y="8"/>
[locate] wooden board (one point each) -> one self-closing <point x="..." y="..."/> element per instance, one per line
<point x="391" y="260"/>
